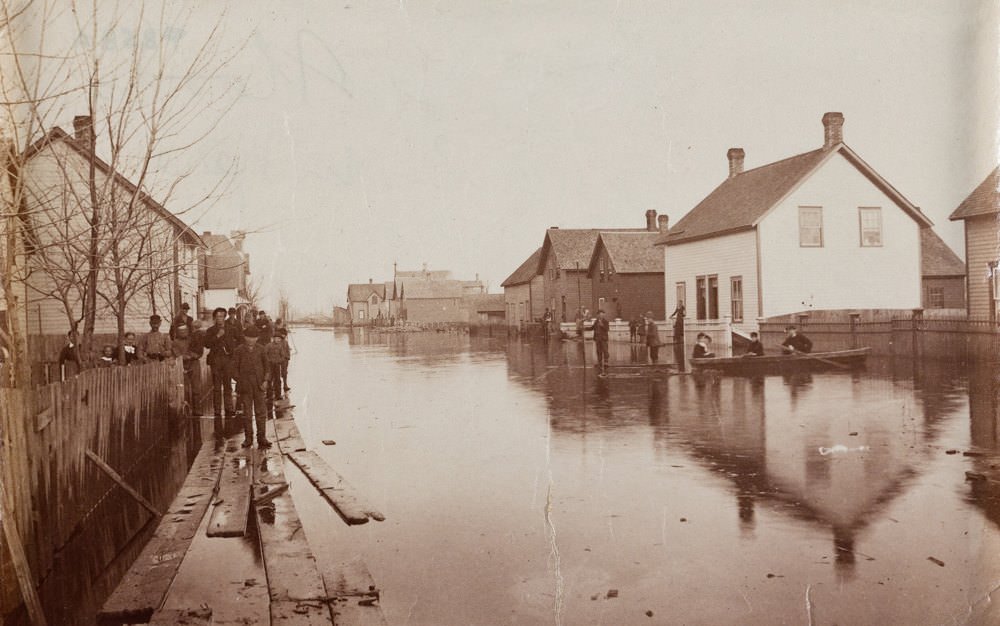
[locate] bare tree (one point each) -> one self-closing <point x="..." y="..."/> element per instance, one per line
<point x="93" y="237"/>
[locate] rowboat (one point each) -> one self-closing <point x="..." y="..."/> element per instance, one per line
<point x="839" y="359"/>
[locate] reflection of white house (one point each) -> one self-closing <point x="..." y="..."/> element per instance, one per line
<point x="821" y="230"/>
<point x="367" y="302"/>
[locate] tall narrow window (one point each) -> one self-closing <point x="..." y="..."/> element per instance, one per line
<point x="870" y="219"/>
<point x="736" y="297"/>
<point x="681" y="290"/>
<point x="699" y="287"/>
<point x="810" y="226"/>
<point x="713" y="297"/>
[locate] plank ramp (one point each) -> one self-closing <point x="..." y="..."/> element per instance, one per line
<point x="145" y="585"/>
<point x="298" y="595"/>
<point x="287" y="435"/>
<point x="353" y="595"/>
<point x="348" y="503"/>
<point x="232" y="507"/>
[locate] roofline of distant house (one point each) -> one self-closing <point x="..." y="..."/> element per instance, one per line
<point x="58" y="134"/>
<point x="671" y="240"/>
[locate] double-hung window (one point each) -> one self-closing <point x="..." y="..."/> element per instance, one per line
<point x="870" y="219"/>
<point x="811" y="226"/>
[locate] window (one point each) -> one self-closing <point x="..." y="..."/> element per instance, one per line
<point x="707" y="288"/>
<point x="870" y="219"/>
<point x="699" y="289"/>
<point x="811" y="227"/>
<point x="935" y="298"/>
<point x="604" y="267"/>
<point x="361" y="314"/>
<point x="600" y="304"/>
<point x="736" y="297"/>
<point x="681" y="289"/>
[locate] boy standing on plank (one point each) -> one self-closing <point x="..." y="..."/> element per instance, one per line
<point x="252" y="377"/>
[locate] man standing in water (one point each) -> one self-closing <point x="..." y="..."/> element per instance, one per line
<point x="601" y="330"/>
<point x="652" y="338"/>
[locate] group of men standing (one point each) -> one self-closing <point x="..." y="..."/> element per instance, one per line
<point x="256" y="358"/>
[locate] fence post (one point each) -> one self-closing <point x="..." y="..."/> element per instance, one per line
<point x="855" y="316"/>
<point x="915" y="323"/>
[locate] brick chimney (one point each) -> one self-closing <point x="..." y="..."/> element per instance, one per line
<point x="83" y="129"/>
<point x="664" y="223"/>
<point x="735" y="156"/>
<point x="833" y="129"/>
<point x="651" y="220"/>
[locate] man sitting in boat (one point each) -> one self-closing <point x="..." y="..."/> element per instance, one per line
<point x="756" y="348"/>
<point x="703" y="349"/>
<point x="795" y="342"/>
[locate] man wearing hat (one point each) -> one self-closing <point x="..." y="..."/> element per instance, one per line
<point x="155" y="346"/>
<point x="221" y="343"/>
<point x="652" y="338"/>
<point x="182" y="317"/>
<point x="252" y="377"/>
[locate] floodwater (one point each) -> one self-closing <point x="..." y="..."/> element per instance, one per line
<point x="520" y="489"/>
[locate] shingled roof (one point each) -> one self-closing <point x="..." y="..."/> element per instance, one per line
<point x="525" y="272"/>
<point x="741" y="201"/>
<point x="936" y="257"/>
<point x="360" y="292"/>
<point x="984" y="200"/>
<point x="631" y="253"/>
<point x="573" y="247"/>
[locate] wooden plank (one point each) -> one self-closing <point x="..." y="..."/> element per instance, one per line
<point x="350" y="505"/>
<point x="193" y="617"/>
<point x="145" y="585"/>
<point x="107" y="469"/>
<point x="353" y="594"/>
<point x="287" y="435"/>
<point x="25" y="581"/>
<point x="232" y="507"/>
<point x="298" y="596"/>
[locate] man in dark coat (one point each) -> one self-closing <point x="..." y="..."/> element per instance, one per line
<point x="652" y="338"/>
<point x="182" y="317"/>
<point x="795" y="341"/>
<point x="602" y="329"/>
<point x="252" y="378"/>
<point x="221" y="342"/>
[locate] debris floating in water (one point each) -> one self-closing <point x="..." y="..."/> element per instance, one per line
<point x="937" y="562"/>
<point x="612" y="593"/>
<point x="841" y="449"/>
<point x="329" y="442"/>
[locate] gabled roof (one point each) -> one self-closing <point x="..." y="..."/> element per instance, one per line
<point x="573" y="247"/>
<point x="741" y="201"/>
<point x="58" y="134"/>
<point x="525" y="272"/>
<point x="936" y="258"/>
<point x="630" y="253"/>
<point x="420" y="288"/>
<point x="489" y="303"/>
<point x="984" y="200"/>
<point x="224" y="264"/>
<point x="360" y="292"/>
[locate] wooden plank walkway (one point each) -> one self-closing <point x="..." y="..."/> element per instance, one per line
<point x="232" y="507"/>
<point x="145" y="585"/>
<point x="348" y="503"/>
<point x="354" y="596"/>
<point x="298" y="595"/>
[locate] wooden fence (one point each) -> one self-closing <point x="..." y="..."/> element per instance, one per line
<point x="912" y="335"/>
<point x="54" y="482"/>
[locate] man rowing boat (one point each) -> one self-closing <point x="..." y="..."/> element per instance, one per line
<point x="795" y="342"/>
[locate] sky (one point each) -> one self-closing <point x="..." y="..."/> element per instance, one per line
<point x="454" y="133"/>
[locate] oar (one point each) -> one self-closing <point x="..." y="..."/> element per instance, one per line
<point x="809" y="356"/>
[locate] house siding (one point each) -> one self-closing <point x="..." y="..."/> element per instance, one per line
<point x="726" y="256"/>
<point x="55" y="181"/>
<point x="628" y="295"/>
<point x="436" y="310"/>
<point x="982" y="246"/>
<point x="952" y="290"/>
<point x="516" y="300"/>
<point x="841" y="274"/>
<point x="566" y="285"/>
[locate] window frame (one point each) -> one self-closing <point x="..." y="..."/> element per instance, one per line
<point x="806" y="209"/>
<point x="701" y="303"/>
<point x="736" y="303"/>
<point x="861" y="226"/>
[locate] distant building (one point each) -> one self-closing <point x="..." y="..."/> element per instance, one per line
<point x="981" y="212"/>
<point x="565" y="259"/>
<point x="820" y="230"/>
<point x="486" y="308"/>
<point x="524" y="292"/>
<point x="626" y="274"/>
<point x="942" y="273"/>
<point x="433" y="296"/>
<point x="225" y="271"/>
<point x="367" y="302"/>
<point x="160" y="248"/>
<point x="341" y="316"/>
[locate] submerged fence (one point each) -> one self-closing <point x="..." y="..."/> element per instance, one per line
<point x="912" y="335"/>
<point x="68" y="449"/>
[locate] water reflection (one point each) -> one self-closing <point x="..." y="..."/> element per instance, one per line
<point x="832" y="450"/>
